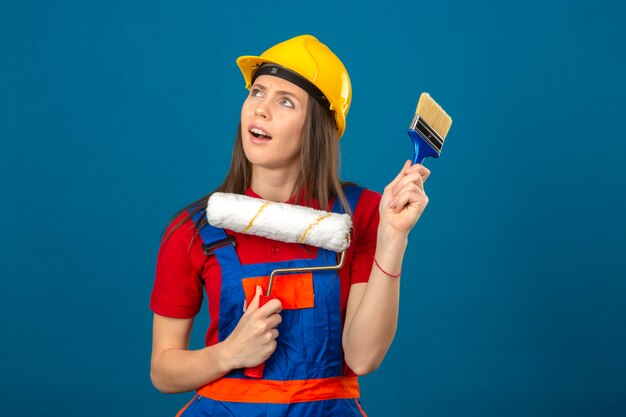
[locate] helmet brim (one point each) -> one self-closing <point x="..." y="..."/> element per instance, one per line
<point x="248" y="64"/>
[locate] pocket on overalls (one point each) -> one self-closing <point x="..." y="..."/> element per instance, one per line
<point x="295" y="291"/>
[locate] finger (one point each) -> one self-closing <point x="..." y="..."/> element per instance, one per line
<point x="413" y="176"/>
<point x="268" y="349"/>
<point x="271" y="307"/>
<point x="414" y="196"/>
<point x="274" y="334"/>
<point x="398" y="177"/>
<point x="425" y="172"/>
<point x="409" y="181"/>
<point x="394" y="184"/>
<point x="274" y="320"/>
<point x="409" y="188"/>
<point x="254" y="304"/>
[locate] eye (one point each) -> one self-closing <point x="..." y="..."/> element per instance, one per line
<point x="287" y="103"/>
<point x="255" y="92"/>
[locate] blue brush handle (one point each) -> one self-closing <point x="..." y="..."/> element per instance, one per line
<point x="422" y="149"/>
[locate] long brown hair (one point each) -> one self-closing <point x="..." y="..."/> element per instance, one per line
<point x="319" y="167"/>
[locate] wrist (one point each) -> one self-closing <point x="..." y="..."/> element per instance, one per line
<point x="389" y="239"/>
<point x="226" y="359"/>
<point x="384" y="271"/>
<point x="390" y="248"/>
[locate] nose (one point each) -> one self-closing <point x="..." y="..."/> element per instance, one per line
<point x="261" y="110"/>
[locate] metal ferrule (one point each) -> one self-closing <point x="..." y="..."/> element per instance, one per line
<point x="427" y="133"/>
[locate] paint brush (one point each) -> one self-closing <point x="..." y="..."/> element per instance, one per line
<point x="428" y="129"/>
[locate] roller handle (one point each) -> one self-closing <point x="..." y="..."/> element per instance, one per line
<point x="257" y="371"/>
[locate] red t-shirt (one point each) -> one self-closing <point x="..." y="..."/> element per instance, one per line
<point x="183" y="270"/>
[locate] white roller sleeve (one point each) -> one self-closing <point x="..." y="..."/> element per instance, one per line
<point x="279" y="221"/>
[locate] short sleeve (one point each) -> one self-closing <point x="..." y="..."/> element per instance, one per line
<point x="365" y="220"/>
<point x="177" y="290"/>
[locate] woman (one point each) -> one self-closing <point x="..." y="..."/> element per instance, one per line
<point x="317" y="341"/>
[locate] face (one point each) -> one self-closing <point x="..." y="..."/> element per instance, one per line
<point x="272" y="119"/>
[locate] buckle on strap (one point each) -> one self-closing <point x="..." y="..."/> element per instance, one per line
<point x="210" y="248"/>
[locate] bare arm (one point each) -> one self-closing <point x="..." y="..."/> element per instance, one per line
<point x="372" y="309"/>
<point x="175" y="368"/>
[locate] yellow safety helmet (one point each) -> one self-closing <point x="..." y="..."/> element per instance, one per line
<point x="315" y="63"/>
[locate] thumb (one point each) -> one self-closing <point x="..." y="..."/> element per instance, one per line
<point x="254" y="304"/>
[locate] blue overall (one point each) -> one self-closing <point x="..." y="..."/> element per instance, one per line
<point x="309" y="346"/>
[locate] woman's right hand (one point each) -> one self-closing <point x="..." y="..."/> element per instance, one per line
<point x="254" y="338"/>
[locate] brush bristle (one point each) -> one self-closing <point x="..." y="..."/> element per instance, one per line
<point x="434" y="115"/>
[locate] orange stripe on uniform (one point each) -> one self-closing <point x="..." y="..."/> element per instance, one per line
<point x="358" y="404"/>
<point x="182" y="410"/>
<point x="281" y="392"/>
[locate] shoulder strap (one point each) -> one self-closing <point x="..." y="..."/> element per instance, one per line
<point x="353" y="193"/>
<point x="212" y="237"/>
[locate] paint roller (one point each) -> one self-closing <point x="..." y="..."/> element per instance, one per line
<point x="283" y="222"/>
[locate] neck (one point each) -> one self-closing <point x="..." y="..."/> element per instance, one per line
<point x="273" y="185"/>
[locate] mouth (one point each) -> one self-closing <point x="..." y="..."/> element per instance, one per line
<point x="260" y="133"/>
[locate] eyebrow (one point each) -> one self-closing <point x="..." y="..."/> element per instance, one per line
<point x="279" y="92"/>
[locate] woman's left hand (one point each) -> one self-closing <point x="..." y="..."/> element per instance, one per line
<point x="404" y="200"/>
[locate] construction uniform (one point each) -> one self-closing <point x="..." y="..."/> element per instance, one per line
<point x="306" y="374"/>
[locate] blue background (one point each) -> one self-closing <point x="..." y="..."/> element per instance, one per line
<point x="114" y="115"/>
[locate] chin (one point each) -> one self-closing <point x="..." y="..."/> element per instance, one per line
<point x="268" y="163"/>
